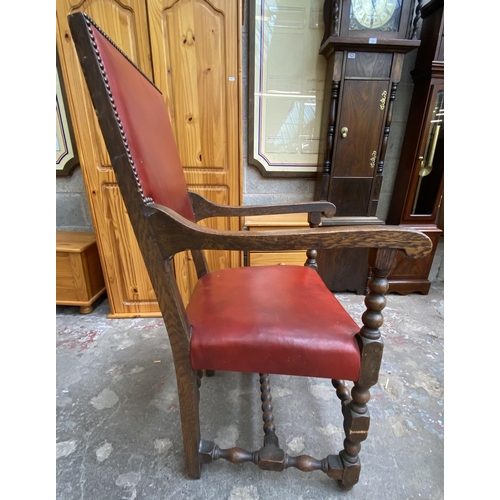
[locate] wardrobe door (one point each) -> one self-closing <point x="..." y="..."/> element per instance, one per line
<point x="196" y="51"/>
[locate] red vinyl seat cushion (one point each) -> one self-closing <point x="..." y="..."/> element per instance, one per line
<point x="271" y="319"/>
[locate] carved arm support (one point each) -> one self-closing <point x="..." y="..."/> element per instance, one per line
<point x="204" y="208"/>
<point x="175" y="234"/>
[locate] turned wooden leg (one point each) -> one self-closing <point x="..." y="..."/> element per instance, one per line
<point x="342" y="390"/>
<point x="356" y="424"/>
<point x="312" y="255"/>
<point x="311" y="259"/>
<point x="356" y="415"/>
<point x="86" y="309"/>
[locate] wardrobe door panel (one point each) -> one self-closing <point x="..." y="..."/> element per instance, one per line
<point x="195" y="45"/>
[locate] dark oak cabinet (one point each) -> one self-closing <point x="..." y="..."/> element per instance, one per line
<point x="364" y="44"/>
<point x="418" y="189"/>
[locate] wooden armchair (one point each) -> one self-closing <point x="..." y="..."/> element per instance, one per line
<point x="266" y="320"/>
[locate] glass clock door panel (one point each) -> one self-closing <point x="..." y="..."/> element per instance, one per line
<point x="431" y="163"/>
<point x="382" y="19"/>
<point x="380" y="15"/>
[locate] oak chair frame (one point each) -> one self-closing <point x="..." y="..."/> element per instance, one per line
<point x="161" y="233"/>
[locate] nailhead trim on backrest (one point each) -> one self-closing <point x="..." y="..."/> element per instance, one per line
<point x="91" y="23"/>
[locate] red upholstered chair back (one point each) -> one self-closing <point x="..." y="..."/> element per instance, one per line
<point x="146" y="129"/>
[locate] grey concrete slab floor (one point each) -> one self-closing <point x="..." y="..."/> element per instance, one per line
<point x="118" y="430"/>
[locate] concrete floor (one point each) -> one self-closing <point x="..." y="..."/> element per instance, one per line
<point x="118" y="430"/>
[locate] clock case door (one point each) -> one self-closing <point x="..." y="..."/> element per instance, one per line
<point x="367" y="91"/>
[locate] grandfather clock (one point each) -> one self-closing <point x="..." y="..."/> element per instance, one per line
<point x="365" y="42"/>
<point x="418" y="189"/>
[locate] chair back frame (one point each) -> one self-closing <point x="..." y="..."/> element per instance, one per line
<point x="160" y="268"/>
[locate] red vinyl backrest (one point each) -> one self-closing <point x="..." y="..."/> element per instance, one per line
<point x="147" y="129"/>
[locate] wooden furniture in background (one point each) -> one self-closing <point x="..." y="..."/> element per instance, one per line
<point x="274" y="319"/>
<point x="419" y="185"/>
<point x="364" y="66"/>
<point x="192" y="51"/>
<point x="286" y="76"/>
<point x="79" y="279"/>
<point x="66" y="153"/>
<point x="196" y="53"/>
<point x="274" y="223"/>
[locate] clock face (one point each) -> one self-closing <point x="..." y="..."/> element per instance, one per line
<point x="382" y="15"/>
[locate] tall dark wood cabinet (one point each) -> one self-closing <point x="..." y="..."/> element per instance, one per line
<point x="365" y="43"/>
<point x="418" y="189"/>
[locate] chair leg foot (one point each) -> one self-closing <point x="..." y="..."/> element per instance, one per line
<point x="187" y="382"/>
<point x="352" y="469"/>
<point x="193" y="474"/>
<point x="356" y="424"/>
<point x="343" y="487"/>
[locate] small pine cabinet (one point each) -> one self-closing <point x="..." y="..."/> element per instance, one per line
<point x="79" y="279"/>
<point x="274" y="223"/>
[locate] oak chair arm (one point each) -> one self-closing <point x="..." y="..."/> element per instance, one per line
<point x="175" y="234"/>
<point x="204" y="208"/>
